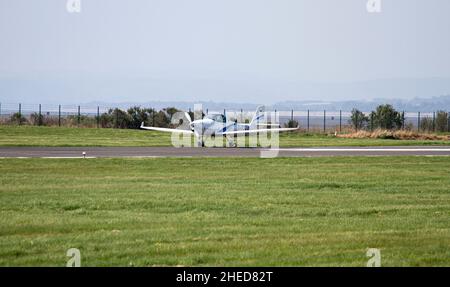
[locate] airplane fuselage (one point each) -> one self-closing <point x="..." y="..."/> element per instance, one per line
<point x="209" y="127"/>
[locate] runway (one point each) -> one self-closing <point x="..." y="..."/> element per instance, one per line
<point x="142" y="152"/>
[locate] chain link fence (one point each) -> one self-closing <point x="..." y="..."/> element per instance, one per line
<point x="309" y="120"/>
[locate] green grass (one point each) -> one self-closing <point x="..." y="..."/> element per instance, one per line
<point x="317" y="140"/>
<point x="239" y="212"/>
<point x="54" y="136"/>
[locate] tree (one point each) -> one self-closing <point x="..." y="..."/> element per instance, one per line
<point x="291" y="124"/>
<point x="358" y="119"/>
<point x="106" y="120"/>
<point x="171" y="111"/>
<point x="37" y="119"/>
<point x="115" y="118"/>
<point x="138" y="115"/>
<point x="441" y="121"/>
<point x="161" y="119"/>
<point x="18" y="118"/>
<point x="386" y="117"/>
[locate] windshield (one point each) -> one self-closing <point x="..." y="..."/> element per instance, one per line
<point x="216" y="117"/>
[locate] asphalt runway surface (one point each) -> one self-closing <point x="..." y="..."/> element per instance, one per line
<point x="98" y="152"/>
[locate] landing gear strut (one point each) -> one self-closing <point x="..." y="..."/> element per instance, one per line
<point x="231" y="142"/>
<point x="200" y="142"/>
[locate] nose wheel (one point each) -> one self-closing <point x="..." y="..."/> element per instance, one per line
<point x="200" y="142"/>
<point x="230" y="141"/>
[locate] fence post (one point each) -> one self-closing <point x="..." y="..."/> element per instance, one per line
<point x="117" y="118"/>
<point x="59" y="115"/>
<point x="434" y="121"/>
<point x="20" y="114"/>
<point x="324" y="121"/>
<point x="340" y="121"/>
<point x="403" y="120"/>
<point x="79" y="115"/>
<point x="418" y="122"/>
<point x="40" y="115"/>
<point x="153" y="116"/>
<point x="98" y="116"/>
<point x="371" y="122"/>
<point x="307" y="120"/>
<point x="448" y="121"/>
<point x="292" y="116"/>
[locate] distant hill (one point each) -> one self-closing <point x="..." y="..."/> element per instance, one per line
<point x="413" y="105"/>
<point x="240" y="92"/>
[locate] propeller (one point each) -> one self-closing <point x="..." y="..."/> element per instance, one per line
<point x="188" y="117"/>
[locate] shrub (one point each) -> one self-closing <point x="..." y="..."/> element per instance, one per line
<point x="441" y="121"/>
<point x="426" y="124"/>
<point x="408" y="127"/>
<point x="386" y="117"/>
<point x="120" y="119"/>
<point x="115" y="118"/>
<point x="171" y="111"/>
<point x="36" y="119"/>
<point x="106" y="120"/>
<point x="160" y="119"/>
<point x="358" y="120"/>
<point x="17" y="118"/>
<point x="137" y="115"/>
<point x="291" y="124"/>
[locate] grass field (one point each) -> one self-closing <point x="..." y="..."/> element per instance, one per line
<point x="54" y="136"/>
<point x="240" y="212"/>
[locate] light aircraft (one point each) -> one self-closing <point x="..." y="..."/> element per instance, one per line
<point x="217" y="125"/>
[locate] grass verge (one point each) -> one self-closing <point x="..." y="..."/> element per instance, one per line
<point x="54" y="136"/>
<point x="230" y="211"/>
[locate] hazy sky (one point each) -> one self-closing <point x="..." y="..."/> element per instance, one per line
<point x="219" y="50"/>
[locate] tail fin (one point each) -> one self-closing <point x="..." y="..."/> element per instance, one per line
<point x="258" y="117"/>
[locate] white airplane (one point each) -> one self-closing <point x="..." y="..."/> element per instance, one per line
<point x="217" y="125"/>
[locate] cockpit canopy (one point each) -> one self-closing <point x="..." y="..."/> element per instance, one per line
<point x="216" y="117"/>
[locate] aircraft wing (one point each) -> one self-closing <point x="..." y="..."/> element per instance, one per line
<point x="167" y="130"/>
<point x="259" y="131"/>
<point x="259" y="125"/>
<point x="268" y="125"/>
